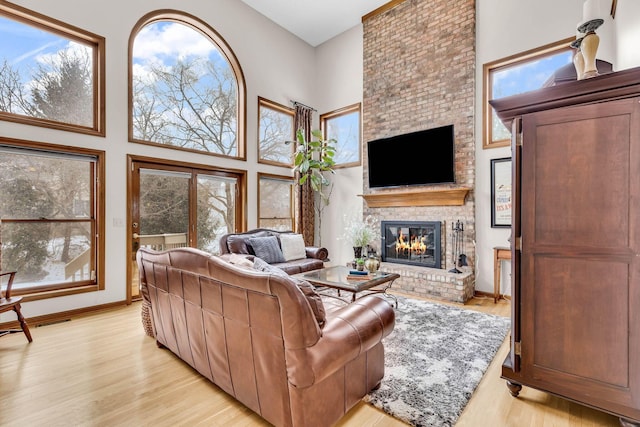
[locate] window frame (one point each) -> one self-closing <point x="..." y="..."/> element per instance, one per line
<point x="203" y="28"/>
<point x="96" y="42"/>
<point x="97" y="283"/>
<point x="487" y="83"/>
<point x="349" y="109"/>
<point x="266" y="103"/>
<point x="283" y="178"/>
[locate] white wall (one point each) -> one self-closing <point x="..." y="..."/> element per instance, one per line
<point x="500" y="34"/>
<point x="339" y="83"/>
<point x="627" y="35"/>
<point x="276" y="65"/>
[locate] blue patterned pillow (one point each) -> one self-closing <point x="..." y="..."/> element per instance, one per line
<point x="267" y="248"/>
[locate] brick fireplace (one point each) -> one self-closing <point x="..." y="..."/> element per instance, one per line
<point x="419" y="73"/>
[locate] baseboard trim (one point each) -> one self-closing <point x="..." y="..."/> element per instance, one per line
<point x="63" y="316"/>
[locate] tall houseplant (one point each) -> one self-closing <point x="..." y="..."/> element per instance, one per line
<point x="313" y="159"/>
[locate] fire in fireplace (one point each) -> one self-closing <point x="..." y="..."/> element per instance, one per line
<point x="411" y="242"/>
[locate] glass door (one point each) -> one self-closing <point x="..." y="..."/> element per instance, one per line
<point x="178" y="206"/>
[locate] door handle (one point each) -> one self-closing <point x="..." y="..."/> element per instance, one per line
<point x="136" y="236"/>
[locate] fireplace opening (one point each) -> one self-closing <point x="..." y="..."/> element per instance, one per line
<point x="411" y="242"/>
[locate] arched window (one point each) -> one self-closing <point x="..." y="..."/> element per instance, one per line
<point x="187" y="89"/>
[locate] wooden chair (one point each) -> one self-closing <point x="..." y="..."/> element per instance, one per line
<point x="7" y="302"/>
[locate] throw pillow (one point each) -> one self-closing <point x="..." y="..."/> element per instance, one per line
<point x="267" y="248"/>
<point x="314" y="300"/>
<point x="292" y="246"/>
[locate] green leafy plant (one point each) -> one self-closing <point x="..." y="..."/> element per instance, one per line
<point x="314" y="158"/>
<point x="360" y="261"/>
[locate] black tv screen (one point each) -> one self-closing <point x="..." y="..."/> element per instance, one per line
<point x="417" y="158"/>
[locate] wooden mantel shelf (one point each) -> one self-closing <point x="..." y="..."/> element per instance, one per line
<point x="444" y="197"/>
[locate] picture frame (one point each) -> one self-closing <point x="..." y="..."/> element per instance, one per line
<point x="501" y="192"/>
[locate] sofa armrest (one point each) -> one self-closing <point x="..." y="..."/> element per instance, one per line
<point x="317" y="253"/>
<point x="347" y="333"/>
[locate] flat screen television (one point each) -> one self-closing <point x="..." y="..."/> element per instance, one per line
<point x="417" y="158"/>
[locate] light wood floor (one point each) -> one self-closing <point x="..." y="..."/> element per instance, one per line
<point x="101" y="370"/>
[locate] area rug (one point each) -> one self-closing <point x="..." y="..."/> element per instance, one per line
<point x="434" y="360"/>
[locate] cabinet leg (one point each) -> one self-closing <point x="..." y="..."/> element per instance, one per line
<point x="628" y="423"/>
<point x="514" y="388"/>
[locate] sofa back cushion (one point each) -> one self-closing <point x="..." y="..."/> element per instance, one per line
<point x="239" y="243"/>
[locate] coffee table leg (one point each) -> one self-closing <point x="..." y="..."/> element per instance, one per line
<point x="393" y="297"/>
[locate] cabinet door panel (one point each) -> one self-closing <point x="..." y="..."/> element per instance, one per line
<point x="581" y="244"/>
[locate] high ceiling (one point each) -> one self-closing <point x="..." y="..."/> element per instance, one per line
<point x="315" y="21"/>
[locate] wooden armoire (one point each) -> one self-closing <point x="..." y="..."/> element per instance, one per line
<point x="576" y="242"/>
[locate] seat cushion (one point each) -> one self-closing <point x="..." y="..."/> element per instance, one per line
<point x="300" y="265"/>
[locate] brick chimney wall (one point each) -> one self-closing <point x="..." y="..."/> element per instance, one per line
<point x="419" y="73"/>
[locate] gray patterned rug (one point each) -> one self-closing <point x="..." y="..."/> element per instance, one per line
<point x="434" y="359"/>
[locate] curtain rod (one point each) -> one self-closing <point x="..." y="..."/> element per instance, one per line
<point x="300" y="103"/>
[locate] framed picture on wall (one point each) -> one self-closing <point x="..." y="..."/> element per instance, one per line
<point x="501" y="192"/>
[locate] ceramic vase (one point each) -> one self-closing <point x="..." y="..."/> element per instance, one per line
<point x="372" y="264"/>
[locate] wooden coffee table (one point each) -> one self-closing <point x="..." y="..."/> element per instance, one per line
<point x="336" y="278"/>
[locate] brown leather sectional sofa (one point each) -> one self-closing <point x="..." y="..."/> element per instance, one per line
<point x="238" y="243"/>
<point x="255" y="335"/>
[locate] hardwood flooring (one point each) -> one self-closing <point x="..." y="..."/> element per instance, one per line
<point x="102" y="370"/>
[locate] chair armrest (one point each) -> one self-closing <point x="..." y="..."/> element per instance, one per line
<point x="349" y="332"/>
<point x="317" y="253"/>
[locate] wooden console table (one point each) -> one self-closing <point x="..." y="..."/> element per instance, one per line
<point x="499" y="254"/>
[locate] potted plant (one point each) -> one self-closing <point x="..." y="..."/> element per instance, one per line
<point x="360" y="264"/>
<point x="360" y="233"/>
<point x="312" y="160"/>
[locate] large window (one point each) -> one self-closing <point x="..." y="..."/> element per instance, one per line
<point x="518" y="74"/>
<point x="187" y="88"/>
<point x="343" y="125"/>
<point x="275" y="128"/>
<point x="50" y="211"/>
<point x="51" y="73"/>
<point x="275" y="202"/>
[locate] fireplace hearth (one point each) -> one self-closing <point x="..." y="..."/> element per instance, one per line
<point x="411" y="242"/>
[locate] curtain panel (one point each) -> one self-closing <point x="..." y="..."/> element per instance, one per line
<point x="304" y="200"/>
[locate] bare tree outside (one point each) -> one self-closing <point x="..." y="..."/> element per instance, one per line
<point x="185" y="99"/>
<point x="216" y="210"/>
<point x="276" y="127"/>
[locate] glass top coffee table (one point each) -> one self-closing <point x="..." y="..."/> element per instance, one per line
<point x="336" y="278"/>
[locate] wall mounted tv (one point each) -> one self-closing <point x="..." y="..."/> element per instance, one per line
<point x="417" y="158"/>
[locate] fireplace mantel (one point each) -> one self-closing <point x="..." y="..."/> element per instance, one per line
<point x="438" y="197"/>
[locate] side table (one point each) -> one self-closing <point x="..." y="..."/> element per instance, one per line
<point x="500" y="254"/>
